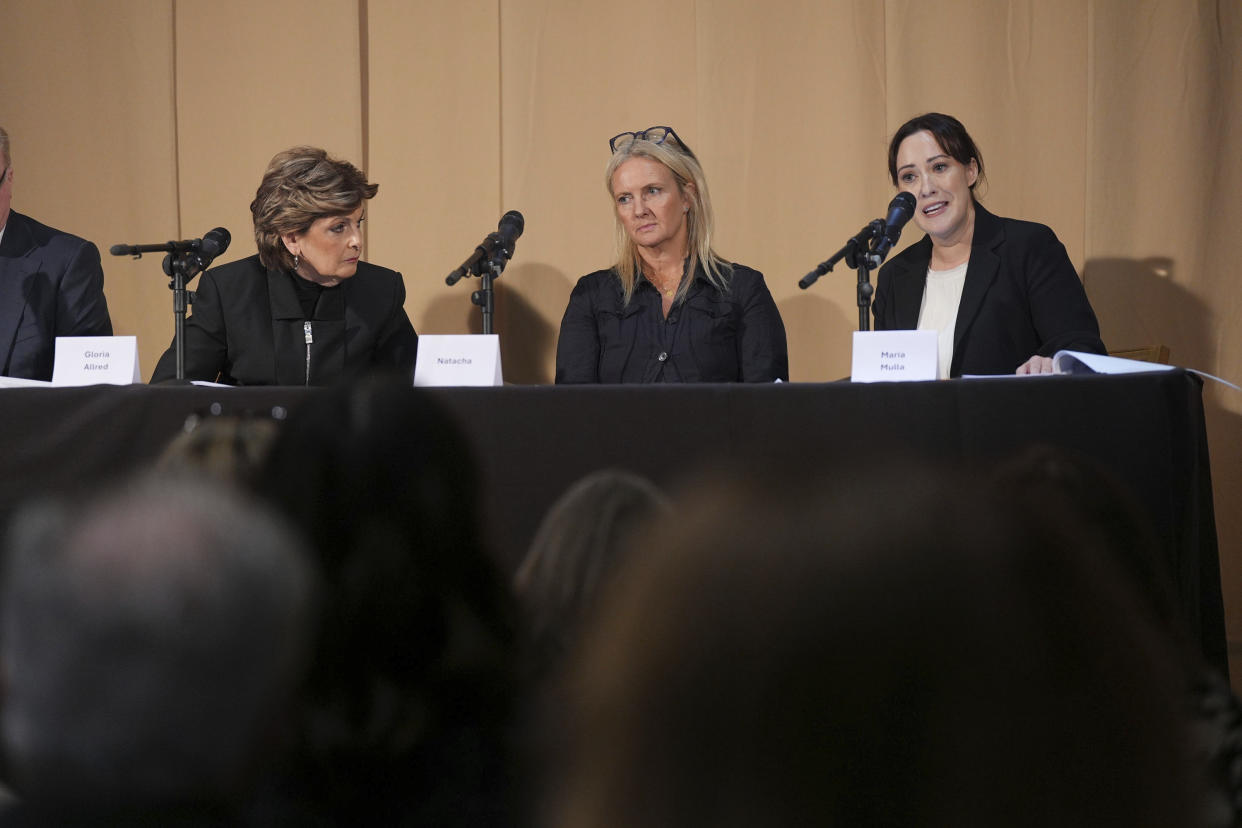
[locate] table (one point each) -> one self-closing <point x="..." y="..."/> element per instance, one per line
<point x="534" y="441"/>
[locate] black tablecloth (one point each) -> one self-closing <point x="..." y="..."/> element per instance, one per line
<point x="533" y="442"/>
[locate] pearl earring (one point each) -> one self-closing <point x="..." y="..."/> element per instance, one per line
<point x="296" y="261"/>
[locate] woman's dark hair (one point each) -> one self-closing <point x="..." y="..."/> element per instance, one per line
<point x="948" y="132"/>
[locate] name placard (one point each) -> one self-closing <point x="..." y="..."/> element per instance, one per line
<point x="458" y="359"/>
<point x="893" y="356"/>
<point x="95" y="360"/>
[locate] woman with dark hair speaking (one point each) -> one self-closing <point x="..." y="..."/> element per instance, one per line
<point x="670" y="309"/>
<point x="306" y="310"/>
<point x="1002" y="293"/>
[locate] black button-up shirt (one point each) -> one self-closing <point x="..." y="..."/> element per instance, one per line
<point x="735" y="336"/>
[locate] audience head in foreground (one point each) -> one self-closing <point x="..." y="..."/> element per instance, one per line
<point x="1113" y="525"/>
<point x="150" y="638"/>
<point x="582" y="541"/>
<point x="405" y="706"/>
<point x="228" y="448"/>
<point x="900" y="651"/>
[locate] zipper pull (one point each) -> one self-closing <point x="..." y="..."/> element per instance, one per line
<point x="306" y="333"/>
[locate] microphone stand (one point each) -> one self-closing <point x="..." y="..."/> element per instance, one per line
<point x="181" y="267"/>
<point x="182" y="264"/>
<point x="866" y="262"/>
<point x="858" y="256"/>
<point x="484" y="297"/>
<point x="184" y="261"/>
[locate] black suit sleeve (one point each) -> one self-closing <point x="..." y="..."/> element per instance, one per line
<point x="762" y="349"/>
<point x="1060" y="313"/>
<point x="81" y="309"/>
<point x="577" y="347"/>
<point x="396" y="343"/>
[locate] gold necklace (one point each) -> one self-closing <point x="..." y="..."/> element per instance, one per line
<point x="664" y="290"/>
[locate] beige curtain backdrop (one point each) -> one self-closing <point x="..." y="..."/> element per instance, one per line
<point x="1117" y="122"/>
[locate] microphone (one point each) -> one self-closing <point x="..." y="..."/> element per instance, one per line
<point x="498" y="246"/>
<point x="900" y="211"/>
<point x="207" y="248"/>
<point x="214" y="242"/>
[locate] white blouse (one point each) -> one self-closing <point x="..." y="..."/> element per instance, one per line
<point x="941" y="296"/>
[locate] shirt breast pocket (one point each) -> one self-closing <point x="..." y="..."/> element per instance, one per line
<point x="712" y="334"/>
<point x="618" y="334"/>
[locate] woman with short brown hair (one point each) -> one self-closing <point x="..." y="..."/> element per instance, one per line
<point x="305" y="310"/>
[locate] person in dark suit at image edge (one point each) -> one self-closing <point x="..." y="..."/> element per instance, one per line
<point x="51" y="284"/>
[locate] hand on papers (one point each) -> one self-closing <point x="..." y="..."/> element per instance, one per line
<point x="1036" y="365"/>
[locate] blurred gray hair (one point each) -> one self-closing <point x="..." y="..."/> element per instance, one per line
<point x="147" y="640"/>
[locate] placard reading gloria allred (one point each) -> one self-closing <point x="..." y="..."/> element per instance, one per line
<point x="95" y="360"/>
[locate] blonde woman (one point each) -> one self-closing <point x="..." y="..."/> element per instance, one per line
<point x="670" y="309"/>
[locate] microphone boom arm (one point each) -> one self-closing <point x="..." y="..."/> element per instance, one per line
<point x="849" y="252"/>
<point x="866" y="251"/>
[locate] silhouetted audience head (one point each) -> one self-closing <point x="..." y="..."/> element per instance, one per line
<point x="150" y="639"/>
<point x="1110" y="522"/>
<point x="580" y="543"/>
<point x="230" y="449"/>
<point x="406" y="704"/>
<point x="898" y="650"/>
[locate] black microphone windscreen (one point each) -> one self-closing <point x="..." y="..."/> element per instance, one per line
<point x="119" y="250"/>
<point x="216" y="242"/>
<point x="511" y="225"/>
<point x="900" y="211"/>
<point x="901" y="208"/>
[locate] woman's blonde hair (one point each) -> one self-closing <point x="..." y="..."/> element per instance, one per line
<point x="700" y="221"/>
<point x="301" y="185"/>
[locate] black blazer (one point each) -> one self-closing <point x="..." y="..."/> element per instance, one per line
<point x="736" y="336"/>
<point x="248" y="328"/>
<point x="1022" y="297"/>
<point x="51" y="284"/>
